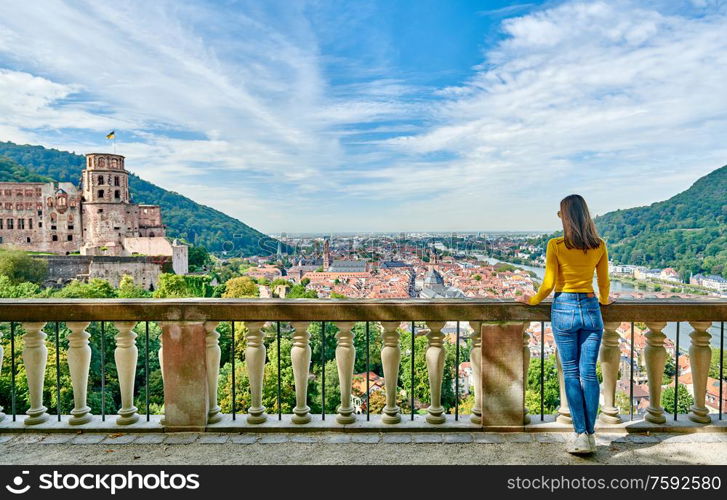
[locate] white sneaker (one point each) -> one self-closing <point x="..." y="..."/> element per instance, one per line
<point x="592" y="442"/>
<point x="580" y="445"/>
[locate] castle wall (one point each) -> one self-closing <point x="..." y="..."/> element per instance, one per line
<point x="43" y="217"/>
<point x="144" y="270"/>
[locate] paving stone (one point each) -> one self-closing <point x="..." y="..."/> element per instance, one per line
<point x="213" y="439"/>
<point x="429" y="437"/>
<point x="553" y="437"/>
<point x="517" y="437"/>
<point x="57" y="438"/>
<point x="458" y="437"/>
<point x="366" y="438"/>
<point x="397" y="438"/>
<point x="274" y="439"/>
<point x="180" y="438"/>
<point x="5" y="438"/>
<point x="303" y="438"/>
<point x="336" y="439"/>
<point x="244" y="438"/>
<point x="487" y="438"/>
<point x="123" y="439"/>
<point x="88" y="438"/>
<point x="150" y="439"/>
<point x="606" y="439"/>
<point x="637" y="439"/>
<point x="28" y="438"/>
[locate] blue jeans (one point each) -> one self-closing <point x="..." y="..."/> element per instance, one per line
<point x="577" y="328"/>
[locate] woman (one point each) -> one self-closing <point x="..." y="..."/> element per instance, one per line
<point x="576" y="320"/>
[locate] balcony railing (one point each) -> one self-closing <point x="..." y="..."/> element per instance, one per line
<point x="189" y="356"/>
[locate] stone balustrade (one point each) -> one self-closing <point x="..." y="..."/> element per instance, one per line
<point x="190" y="355"/>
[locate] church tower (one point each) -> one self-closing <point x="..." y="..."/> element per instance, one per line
<point x="108" y="216"/>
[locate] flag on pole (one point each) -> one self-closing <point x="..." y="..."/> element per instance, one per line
<point x="111" y="135"/>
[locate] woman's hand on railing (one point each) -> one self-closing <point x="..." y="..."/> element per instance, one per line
<point x="524" y="298"/>
<point x="610" y="300"/>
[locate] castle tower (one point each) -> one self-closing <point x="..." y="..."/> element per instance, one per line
<point x="107" y="215"/>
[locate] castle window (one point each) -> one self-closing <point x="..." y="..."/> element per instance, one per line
<point x="8" y="192"/>
<point x="1" y="239"/>
<point x="70" y="237"/>
<point x="116" y="180"/>
<point x="21" y="223"/>
<point x="18" y="193"/>
<point x="100" y="210"/>
<point x="40" y="224"/>
<point x="117" y="194"/>
<point x="54" y="237"/>
<point x="30" y="223"/>
<point x="27" y="240"/>
<point x="100" y="180"/>
<point x="1" y="223"/>
<point x="10" y="223"/>
<point x="40" y="213"/>
<point x="70" y="227"/>
<point x="100" y="193"/>
<point x="53" y="227"/>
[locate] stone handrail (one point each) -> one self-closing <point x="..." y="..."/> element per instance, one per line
<point x="190" y="353"/>
<point x="341" y="310"/>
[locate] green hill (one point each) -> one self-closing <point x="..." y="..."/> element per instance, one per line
<point x="688" y="231"/>
<point x="12" y="172"/>
<point x="185" y="219"/>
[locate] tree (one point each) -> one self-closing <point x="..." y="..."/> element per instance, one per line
<point x="20" y="267"/>
<point x="171" y="285"/>
<point x="8" y="290"/>
<point x="551" y="388"/>
<point x="96" y="288"/>
<point x="242" y="287"/>
<point x="714" y="364"/>
<point x="128" y="290"/>
<point x="684" y="400"/>
<point x="198" y="256"/>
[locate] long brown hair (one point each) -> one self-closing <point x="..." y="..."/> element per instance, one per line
<point x="579" y="231"/>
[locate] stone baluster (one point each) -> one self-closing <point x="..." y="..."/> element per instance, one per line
<point x="300" y="355"/>
<point x="563" y="410"/>
<point x="610" y="356"/>
<point x="79" y="362"/>
<point x="435" y="369"/>
<point x="700" y="354"/>
<point x="212" y="360"/>
<point x="391" y="359"/>
<point x="655" y="358"/>
<point x="476" y="363"/>
<point x="345" y="358"/>
<point x="35" y="357"/>
<point x="526" y="367"/>
<point x="126" y="355"/>
<point x="255" y="360"/>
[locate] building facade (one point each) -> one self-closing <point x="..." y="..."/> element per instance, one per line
<point x="97" y="219"/>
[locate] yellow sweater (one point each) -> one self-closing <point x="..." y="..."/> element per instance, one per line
<point x="571" y="270"/>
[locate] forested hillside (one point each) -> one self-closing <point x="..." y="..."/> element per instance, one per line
<point x="687" y="232"/>
<point x="195" y="223"/>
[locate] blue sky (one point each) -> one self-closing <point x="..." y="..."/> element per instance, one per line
<point x="379" y="115"/>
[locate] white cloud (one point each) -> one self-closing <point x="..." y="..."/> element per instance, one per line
<point x="236" y="108"/>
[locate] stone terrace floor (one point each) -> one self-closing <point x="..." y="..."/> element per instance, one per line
<point x="356" y="449"/>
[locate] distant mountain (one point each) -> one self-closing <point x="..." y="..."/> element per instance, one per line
<point x="688" y="231"/>
<point x="195" y="223"/>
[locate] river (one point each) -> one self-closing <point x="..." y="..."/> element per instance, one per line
<point x="617" y="286"/>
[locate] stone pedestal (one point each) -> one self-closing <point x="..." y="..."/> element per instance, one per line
<point x="184" y="368"/>
<point x="503" y="398"/>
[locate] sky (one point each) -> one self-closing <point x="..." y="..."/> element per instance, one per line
<point x="390" y="115"/>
